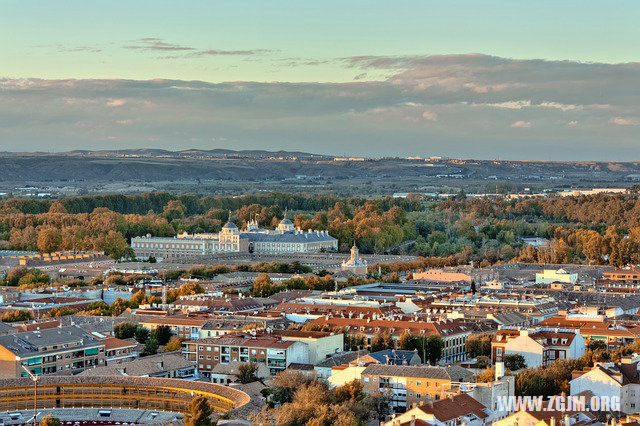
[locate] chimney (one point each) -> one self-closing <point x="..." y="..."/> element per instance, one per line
<point x="499" y="370"/>
<point x="567" y="420"/>
<point x="413" y="420"/>
<point x="552" y="421"/>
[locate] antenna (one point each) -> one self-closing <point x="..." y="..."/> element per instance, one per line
<point x="35" y="393"/>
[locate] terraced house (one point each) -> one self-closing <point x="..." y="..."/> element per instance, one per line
<point x="63" y="350"/>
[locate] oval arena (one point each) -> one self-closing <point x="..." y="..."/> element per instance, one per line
<point x="117" y="392"/>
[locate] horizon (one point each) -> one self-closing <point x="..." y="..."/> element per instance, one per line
<point x="464" y="80"/>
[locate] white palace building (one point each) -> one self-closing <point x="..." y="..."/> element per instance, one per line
<point x="284" y="239"/>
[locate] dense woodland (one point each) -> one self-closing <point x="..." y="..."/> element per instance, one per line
<point x="601" y="229"/>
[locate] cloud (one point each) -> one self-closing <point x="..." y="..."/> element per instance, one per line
<point x="156" y="44"/>
<point x="522" y="124"/>
<point x="175" y="51"/>
<point x="455" y="105"/>
<point x="114" y="103"/>
<point x="625" y="121"/>
<point x="430" y="116"/>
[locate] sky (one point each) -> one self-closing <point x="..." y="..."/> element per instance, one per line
<point x="551" y="80"/>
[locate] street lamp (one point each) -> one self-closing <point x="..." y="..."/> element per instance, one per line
<point x="35" y="393"/>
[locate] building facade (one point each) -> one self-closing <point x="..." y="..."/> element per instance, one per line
<point x="60" y="351"/>
<point x="410" y="385"/>
<point x="284" y="239"/>
<point x="276" y="354"/>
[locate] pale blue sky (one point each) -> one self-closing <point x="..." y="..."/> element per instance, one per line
<point x="86" y="39"/>
<point x="535" y="79"/>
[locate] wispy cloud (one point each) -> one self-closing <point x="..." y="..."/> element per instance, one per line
<point x="156" y="44"/>
<point x="177" y="51"/>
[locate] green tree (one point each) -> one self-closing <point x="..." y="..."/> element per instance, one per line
<point x="150" y="347"/>
<point x="142" y="334"/>
<point x="247" y="372"/>
<point x="407" y="341"/>
<point x="199" y="412"/>
<point x="162" y="334"/>
<point x="514" y="362"/>
<point x="124" y="330"/>
<point x="594" y="345"/>
<point x="478" y="345"/>
<point x="433" y="345"/>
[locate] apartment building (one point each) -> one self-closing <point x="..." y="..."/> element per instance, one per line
<point x="454" y="333"/>
<point x="275" y="353"/>
<point x="63" y="350"/>
<point x="409" y="385"/>
<point x="625" y="275"/>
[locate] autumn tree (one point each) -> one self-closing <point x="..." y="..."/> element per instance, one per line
<point x="174" y="344"/>
<point x="381" y="340"/>
<point x="199" y="412"/>
<point x="49" y="239"/>
<point x="49" y="420"/>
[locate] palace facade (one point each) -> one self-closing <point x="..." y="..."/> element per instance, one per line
<point x="284" y="239"/>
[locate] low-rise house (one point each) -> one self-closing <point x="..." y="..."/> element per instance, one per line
<point x="225" y="374"/>
<point x="549" y="418"/>
<point x="226" y="305"/>
<point x="408" y="385"/>
<point x="393" y="357"/>
<point x="221" y="326"/>
<point x="549" y="276"/>
<point x="62" y="350"/>
<point x="169" y="365"/>
<point x="321" y="344"/>
<point x="324" y="369"/>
